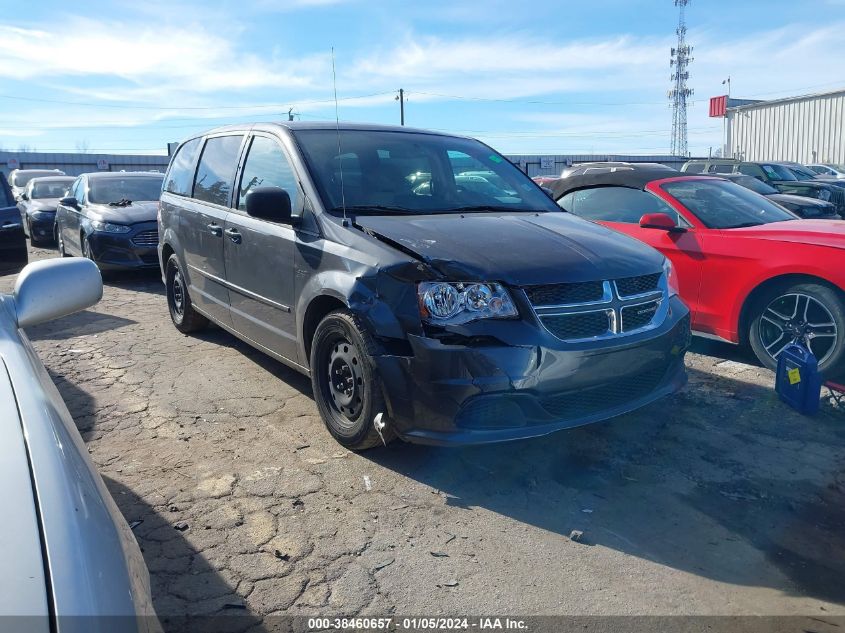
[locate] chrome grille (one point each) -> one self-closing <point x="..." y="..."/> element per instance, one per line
<point x="600" y="309"/>
<point x="565" y="294"/>
<point x="637" y="285"/>
<point x="146" y="238"/>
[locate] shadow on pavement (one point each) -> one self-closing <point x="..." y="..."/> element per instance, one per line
<point x="74" y="325"/>
<point x="752" y="495"/>
<point x="724" y="351"/>
<point x="186" y="588"/>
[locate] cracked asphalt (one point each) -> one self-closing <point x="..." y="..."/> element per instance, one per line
<point x="716" y="501"/>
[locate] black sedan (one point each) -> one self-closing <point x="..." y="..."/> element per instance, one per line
<point x="110" y="218"/>
<point x="38" y="203"/>
<point x="13" y="253"/>
<point x="809" y="208"/>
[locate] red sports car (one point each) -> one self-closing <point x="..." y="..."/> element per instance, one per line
<point x="750" y="271"/>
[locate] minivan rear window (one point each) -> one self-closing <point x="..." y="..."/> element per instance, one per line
<point x="181" y="174"/>
<point x="216" y="171"/>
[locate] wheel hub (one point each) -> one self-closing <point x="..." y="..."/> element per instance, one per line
<point x="178" y="293"/>
<point x="345" y="380"/>
<point x="798" y="318"/>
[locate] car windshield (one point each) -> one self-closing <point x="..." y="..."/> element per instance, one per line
<point x="720" y="204"/>
<point x="50" y="188"/>
<point x="113" y="189"/>
<point x="778" y="172"/>
<point x="21" y="179"/>
<point x="802" y="172"/>
<point x="756" y="185"/>
<point x="411" y="173"/>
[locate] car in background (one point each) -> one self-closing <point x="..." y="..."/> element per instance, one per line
<point x="776" y="174"/>
<point x="751" y="271"/>
<point x="110" y="218"/>
<point x="609" y="166"/>
<point x="19" y="178"/>
<point x="802" y="172"/>
<point x="38" y="204"/>
<point x="422" y="307"/>
<point x="13" y="251"/>
<point x="70" y="561"/>
<point x="808" y="208"/>
<point x="830" y="170"/>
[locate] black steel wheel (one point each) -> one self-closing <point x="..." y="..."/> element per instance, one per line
<point x="810" y="314"/>
<point x="182" y="312"/>
<point x="346" y="383"/>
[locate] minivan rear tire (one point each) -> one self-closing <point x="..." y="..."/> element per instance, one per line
<point x="346" y="382"/>
<point x="182" y="312"/>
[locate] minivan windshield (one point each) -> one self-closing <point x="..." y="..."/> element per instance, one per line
<point x="381" y="172"/>
<point x="113" y="189"/>
<point x="720" y="204"/>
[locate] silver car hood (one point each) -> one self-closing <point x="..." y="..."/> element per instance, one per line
<point x="23" y="591"/>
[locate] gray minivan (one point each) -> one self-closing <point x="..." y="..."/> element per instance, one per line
<point x="441" y="314"/>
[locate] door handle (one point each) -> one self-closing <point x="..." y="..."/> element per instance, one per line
<point x="216" y="229"/>
<point x="234" y="235"/>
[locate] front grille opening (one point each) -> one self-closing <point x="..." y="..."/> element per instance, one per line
<point x="579" y="325"/>
<point x="638" y="285"/>
<point x="640" y="315"/>
<point x="146" y="238"/>
<point x="565" y="294"/>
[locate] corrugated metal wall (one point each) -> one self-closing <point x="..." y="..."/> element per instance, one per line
<point x="74" y="164"/>
<point x="552" y="165"/>
<point x="805" y="129"/>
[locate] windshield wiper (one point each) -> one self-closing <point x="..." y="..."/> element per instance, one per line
<point x="376" y="209"/>
<point x="123" y="202"/>
<point x="482" y="208"/>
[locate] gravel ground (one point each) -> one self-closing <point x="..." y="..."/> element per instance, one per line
<point x="716" y="501"/>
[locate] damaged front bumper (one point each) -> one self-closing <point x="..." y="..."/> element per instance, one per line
<point x="520" y="381"/>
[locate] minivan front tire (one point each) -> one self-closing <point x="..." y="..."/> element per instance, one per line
<point x="182" y="312"/>
<point x="346" y="383"/>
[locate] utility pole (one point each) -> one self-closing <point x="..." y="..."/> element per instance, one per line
<point x="679" y="93"/>
<point x="401" y="99"/>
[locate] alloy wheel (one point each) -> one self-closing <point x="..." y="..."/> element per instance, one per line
<point x="798" y="318"/>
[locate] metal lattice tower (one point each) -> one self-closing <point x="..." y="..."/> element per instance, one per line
<point x="679" y="93"/>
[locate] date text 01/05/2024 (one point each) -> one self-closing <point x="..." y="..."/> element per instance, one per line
<point x="416" y="624"/>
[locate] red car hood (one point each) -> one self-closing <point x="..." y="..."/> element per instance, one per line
<point x="830" y="233"/>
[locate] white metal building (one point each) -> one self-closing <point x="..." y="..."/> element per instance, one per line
<point x="805" y="129"/>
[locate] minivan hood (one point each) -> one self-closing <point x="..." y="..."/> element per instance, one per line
<point x="830" y="233"/>
<point x="520" y="249"/>
<point x="135" y="212"/>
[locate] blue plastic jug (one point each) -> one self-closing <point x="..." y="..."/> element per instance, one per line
<point x="798" y="381"/>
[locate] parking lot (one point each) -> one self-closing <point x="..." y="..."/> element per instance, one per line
<point x="716" y="501"/>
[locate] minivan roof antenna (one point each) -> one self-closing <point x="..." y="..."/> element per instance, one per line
<point x="339" y="151"/>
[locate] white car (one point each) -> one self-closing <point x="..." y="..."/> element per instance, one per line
<point x="828" y="169"/>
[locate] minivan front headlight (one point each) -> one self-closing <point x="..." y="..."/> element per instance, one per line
<point x="671" y="277"/>
<point x="454" y="303"/>
<point x="108" y="227"/>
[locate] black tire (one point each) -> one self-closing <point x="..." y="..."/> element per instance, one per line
<point x="182" y="312"/>
<point x="33" y="241"/>
<point x="821" y="305"/>
<point x="346" y="382"/>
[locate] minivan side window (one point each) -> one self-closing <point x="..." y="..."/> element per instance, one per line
<point x="267" y="166"/>
<point x="614" y="204"/>
<point x="181" y="173"/>
<point x="216" y="171"/>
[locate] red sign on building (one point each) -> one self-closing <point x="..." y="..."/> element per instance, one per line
<point x="718" y="106"/>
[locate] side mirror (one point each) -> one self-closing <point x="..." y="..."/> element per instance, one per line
<point x="269" y="203"/>
<point x="69" y="201"/>
<point x="24" y="196"/>
<point x="54" y="288"/>
<point x="661" y="221"/>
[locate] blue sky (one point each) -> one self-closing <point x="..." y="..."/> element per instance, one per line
<point x="538" y="77"/>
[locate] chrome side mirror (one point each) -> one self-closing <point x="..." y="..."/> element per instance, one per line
<point x="54" y="288"/>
